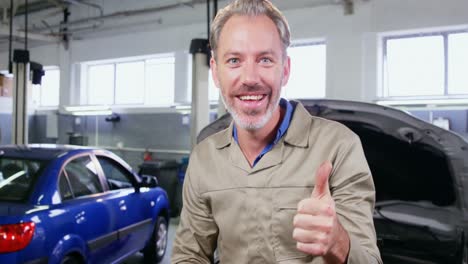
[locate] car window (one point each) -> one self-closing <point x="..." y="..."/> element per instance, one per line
<point x="64" y="187"/>
<point x="83" y="177"/>
<point x="17" y="177"/>
<point x="117" y="176"/>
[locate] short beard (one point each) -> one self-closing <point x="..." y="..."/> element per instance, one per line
<point x="251" y="126"/>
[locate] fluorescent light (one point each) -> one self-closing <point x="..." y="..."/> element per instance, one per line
<point x="86" y="108"/>
<point x="183" y="107"/>
<point x="91" y="113"/>
<point x="459" y="101"/>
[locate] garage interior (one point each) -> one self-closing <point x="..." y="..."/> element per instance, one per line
<point x="83" y="45"/>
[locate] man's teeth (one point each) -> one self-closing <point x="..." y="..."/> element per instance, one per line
<point x="251" y="97"/>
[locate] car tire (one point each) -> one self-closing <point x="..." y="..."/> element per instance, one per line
<point x="156" y="249"/>
<point x="70" y="260"/>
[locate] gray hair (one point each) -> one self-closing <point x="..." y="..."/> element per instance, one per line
<point x="250" y="8"/>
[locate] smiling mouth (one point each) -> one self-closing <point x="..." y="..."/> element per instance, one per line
<point x="251" y="97"/>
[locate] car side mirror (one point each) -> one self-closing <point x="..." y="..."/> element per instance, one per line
<point x="149" y="181"/>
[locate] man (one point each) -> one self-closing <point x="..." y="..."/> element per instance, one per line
<point x="251" y="191"/>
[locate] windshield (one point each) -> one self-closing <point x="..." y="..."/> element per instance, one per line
<point x="17" y="177"/>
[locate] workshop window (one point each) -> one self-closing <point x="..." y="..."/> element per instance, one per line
<point x="136" y="81"/>
<point x="160" y="79"/>
<point x="308" y="71"/>
<point x="101" y="84"/>
<point x="47" y="93"/>
<point x="426" y="65"/>
<point x="458" y="63"/>
<point x="130" y="82"/>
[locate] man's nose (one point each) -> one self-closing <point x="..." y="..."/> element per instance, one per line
<point x="250" y="74"/>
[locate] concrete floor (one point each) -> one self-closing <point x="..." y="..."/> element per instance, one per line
<point x="138" y="258"/>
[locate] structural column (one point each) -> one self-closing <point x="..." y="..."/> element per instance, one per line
<point x="200" y="103"/>
<point x="20" y="97"/>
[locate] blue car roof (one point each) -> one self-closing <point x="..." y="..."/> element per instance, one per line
<point x="39" y="151"/>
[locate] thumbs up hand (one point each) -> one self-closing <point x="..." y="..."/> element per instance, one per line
<point x="316" y="226"/>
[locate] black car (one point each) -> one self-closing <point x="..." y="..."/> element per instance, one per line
<point x="421" y="179"/>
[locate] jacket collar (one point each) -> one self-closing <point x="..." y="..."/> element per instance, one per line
<point x="299" y="129"/>
<point x="224" y="138"/>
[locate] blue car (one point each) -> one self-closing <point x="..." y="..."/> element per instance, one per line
<point x="63" y="204"/>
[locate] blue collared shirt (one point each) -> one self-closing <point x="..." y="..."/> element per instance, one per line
<point x="285" y="104"/>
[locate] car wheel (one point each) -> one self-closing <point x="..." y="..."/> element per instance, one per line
<point x="156" y="248"/>
<point x="70" y="260"/>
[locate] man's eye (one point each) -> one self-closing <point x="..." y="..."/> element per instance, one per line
<point x="233" y="61"/>
<point x="265" y="60"/>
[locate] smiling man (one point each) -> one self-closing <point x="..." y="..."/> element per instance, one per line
<point x="277" y="186"/>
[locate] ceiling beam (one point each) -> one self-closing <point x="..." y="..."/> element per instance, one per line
<point x="5" y="31"/>
<point x="39" y="6"/>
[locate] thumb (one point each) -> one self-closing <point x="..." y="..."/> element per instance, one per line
<point x="321" y="180"/>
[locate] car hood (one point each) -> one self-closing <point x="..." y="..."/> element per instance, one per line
<point x="411" y="160"/>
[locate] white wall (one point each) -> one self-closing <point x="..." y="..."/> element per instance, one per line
<point x="352" y="42"/>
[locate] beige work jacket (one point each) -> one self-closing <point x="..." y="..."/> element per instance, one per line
<point x="247" y="213"/>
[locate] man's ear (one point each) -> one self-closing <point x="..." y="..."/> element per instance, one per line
<point x="286" y="70"/>
<point x="214" y="70"/>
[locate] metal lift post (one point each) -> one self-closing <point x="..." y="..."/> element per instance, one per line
<point x="20" y="94"/>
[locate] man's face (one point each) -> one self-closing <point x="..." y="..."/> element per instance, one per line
<point x="250" y="69"/>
